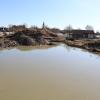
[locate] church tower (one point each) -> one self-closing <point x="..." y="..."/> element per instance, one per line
<point x="43" y="25"/>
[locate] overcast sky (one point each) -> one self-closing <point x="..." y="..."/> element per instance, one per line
<point x="55" y="13"/>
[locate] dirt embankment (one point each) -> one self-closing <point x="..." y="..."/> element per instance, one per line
<point x="29" y="38"/>
<point x="45" y="37"/>
<point x="92" y="45"/>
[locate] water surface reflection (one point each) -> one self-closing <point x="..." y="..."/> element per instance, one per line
<point x="55" y="73"/>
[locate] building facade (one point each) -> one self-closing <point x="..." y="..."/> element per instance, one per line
<point x="79" y="34"/>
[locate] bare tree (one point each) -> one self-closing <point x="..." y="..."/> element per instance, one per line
<point x="69" y="28"/>
<point x="33" y="27"/>
<point x="89" y="27"/>
<point x="17" y="27"/>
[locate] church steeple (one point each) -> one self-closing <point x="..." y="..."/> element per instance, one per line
<point x="43" y="25"/>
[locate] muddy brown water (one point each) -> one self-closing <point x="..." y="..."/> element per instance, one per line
<point x="49" y="73"/>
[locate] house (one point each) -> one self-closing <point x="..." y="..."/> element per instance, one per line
<point x="79" y="34"/>
<point x="3" y="29"/>
<point x="97" y="35"/>
<point x="5" y="32"/>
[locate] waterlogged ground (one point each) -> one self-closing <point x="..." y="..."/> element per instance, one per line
<point x="49" y="73"/>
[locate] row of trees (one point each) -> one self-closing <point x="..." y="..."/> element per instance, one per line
<point x="24" y="27"/>
<point x="88" y="27"/>
<point x="17" y="27"/>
